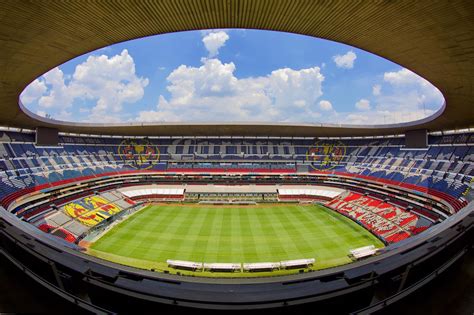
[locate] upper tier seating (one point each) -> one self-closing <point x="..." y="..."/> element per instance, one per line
<point x="445" y="169"/>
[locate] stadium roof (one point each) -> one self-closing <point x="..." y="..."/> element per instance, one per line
<point x="432" y="38"/>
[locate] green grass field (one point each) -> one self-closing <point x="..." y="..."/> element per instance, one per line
<point x="208" y="233"/>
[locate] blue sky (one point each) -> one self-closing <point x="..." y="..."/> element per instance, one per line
<point x="232" y="75"/>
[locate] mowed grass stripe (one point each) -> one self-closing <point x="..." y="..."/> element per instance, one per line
<point x="199" y="235"/>
<point x="147" y="247"/>
<point x="166" y="233"/>
<point x="286" y="232"/>
<point x="186" y="233"/>
<point x="236" y="240"/>
<point x="314" y="221"/>
<point x="207" y="250"/>
<point x="298" y="234"/>
<point x="212" y="248"/>
<point x="264" y="238"/>
<point x="262" y="233"/>
<point x="224" y="248"/>
<point x="330" y="233"/>
<point x="164" y="229"/>
<point x="246" y="236"/>
<point x="123" y="238"/>
<point x="280" y="245"/>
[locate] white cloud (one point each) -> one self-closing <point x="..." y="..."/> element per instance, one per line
<point x="59" y="95"/>
<point x="214" y="41"/>
<point x="345" y="61"/>
<point x="112" y="81"/>
<point x="356" y="119"/>
<point x="409" y="92"/>
<point x="63" y="115"/>
<point x="406" y="97"/>
<point x="404" y="77"/>
<point x="363" y="104"/>
<point x="212" y="91"/>
<point x="41" y="113"/>
<point x="325" y="105"/>
<point x="379" y="117"/>
<point x="376" y="89"/>
<point x="33" y="92"/>
<point x="108" y="82"/>
<point x="376" y="116"/>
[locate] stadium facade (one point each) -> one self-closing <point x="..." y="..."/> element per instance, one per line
<point x="408" y="184"/>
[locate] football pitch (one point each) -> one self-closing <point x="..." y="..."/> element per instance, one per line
<point x="232" y="234"/>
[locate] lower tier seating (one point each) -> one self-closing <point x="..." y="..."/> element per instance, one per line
<point x="385" y="220"/>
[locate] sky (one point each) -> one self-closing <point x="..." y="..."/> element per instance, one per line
<point x="232" y="76"/>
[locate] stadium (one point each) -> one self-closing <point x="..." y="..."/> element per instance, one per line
<point x="128" y="217"/>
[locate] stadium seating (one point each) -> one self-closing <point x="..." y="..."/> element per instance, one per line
<point x="90" y="210"/>
<point x="59" y="232"/>
<point x="76" y="215"/>
<point x="444" y="170"/>
<point x="387" y="221"/>
<point x="448" y="169"/>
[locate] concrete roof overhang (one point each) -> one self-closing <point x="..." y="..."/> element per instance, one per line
<point x="432" y="38"/>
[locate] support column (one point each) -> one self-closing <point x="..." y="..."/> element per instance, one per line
<point x="47" y="137"/>
<point x="416" y="139"/>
